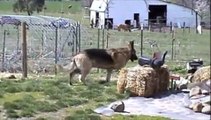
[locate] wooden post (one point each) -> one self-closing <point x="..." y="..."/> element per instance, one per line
<point x="98" y="42"/>
<point x="172" y="49"/>
<point x="107" y="38"/>
<point x="3" y="50"/>
<point x="76" y="38"/>
<point x="42" y="41"/>
<point x="98" y="38"/>
<point x="79" y="37"/>
<point x="142" y="27"/>
<point x="172" y="45"/>
<point x="171" y="28"/>
<point x="103" y="41"/>
<point x="183" y="27"/>
<point x="55" y="50"/>
<point x="73" y="41"/>
<point x="24" y="50"/>
<point x="18" y="39"/>
<point x="196" y="21"/>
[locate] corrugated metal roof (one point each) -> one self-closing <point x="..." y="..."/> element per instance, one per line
<point x="100" y="5"/>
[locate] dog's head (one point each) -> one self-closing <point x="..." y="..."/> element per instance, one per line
<point x="133" y="55"/>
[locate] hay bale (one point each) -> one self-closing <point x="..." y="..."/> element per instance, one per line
<point x="122" y="80"/>
<point x="143" y="80"/>
<point x="201" y="74"/>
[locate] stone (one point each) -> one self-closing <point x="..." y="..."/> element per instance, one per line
<point x="118" y="107"/>
<point x="197" y="107"/>
<point x="206" y="109"/>
<point x="11" y="77"/>
<point x="204" y="85"/>
<point x="195" y="91"/>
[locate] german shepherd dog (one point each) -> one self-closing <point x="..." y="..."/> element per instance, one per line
<point x="109" y="59"/>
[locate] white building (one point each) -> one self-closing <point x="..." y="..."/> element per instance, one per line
<point x="134" y="12"/>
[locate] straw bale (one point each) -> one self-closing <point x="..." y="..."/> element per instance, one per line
<point x="163" y="77"/>
<point x="201" y="74"/>
<point x="122" y="80"/>
<point x="143" y="80"/>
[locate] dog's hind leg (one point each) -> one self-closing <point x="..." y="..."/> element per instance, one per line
<point x="73" y="70"/>
<point x="108" y="77"/>
<point x="84" y="73"/>
<point x="71" y="76"/>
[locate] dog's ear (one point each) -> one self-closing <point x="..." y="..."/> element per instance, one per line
<point x="131" y="44"/>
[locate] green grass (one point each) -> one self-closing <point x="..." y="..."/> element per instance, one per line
<point x="6" y="6"/>
<point x="51" y="95"/>
<point x="38" y="95"/>
<point x="54" y="7"/>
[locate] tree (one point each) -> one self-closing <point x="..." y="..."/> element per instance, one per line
<point x="28" y="6"/>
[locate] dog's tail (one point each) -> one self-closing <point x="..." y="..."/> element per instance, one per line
<point x="73" y="69"/>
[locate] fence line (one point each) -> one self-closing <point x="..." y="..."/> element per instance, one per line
<point x="55" y="43"/>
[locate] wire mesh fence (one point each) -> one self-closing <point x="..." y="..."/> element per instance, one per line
<point x="52" y="40"/>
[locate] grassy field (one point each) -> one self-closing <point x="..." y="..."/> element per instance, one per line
<point x="49" y="97"/>
<point x="39" y="96"/>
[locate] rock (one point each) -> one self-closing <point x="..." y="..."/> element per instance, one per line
<point x="197" y="107"/>
<point x="11" y="77"/>
<point x="204" y="85"/>
<point x="206" y="109"/>
<point x="195" y="91"/>
<point x="118" y="107"/>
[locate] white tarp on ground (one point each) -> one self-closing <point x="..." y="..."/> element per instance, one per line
<point x="171" y="106"/>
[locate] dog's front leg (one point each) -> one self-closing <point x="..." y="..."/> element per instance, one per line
<point x="108" y="77"/>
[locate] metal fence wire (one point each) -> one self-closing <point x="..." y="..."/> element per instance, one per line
<point x="54" y="40"/>
<point x="50" y="40"/>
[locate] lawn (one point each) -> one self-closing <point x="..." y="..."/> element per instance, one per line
<point x="50" y="97"/>
<point x="34" y="98"/>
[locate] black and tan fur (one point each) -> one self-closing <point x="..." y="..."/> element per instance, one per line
<point x="109" y="59"/>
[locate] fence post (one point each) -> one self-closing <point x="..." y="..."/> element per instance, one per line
<point x="183" y="27"/>
<point x="18" y="38"/>
<point x="42" y="42"/>
<point x="172" y="45"/>
<point x="73" y="39"/>
<point x="76" y="38"/>
<point x="196" y="21"/>
<point x="171" y="28"/>
<point x="55" y="50"/>
<point x="98" y="38"/>
<point x="103" y="41"/>
<point x="3" y="50"/>
<point x="24" y="50"/>
<point x="107" y="34"/>
<point x="98" y="42"/>
<point x="142" y="27"/>
<point x="79" y="37"/>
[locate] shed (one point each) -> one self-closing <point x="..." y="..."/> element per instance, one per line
<point x="135" y="12"/>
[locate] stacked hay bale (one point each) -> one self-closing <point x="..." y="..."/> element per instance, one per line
<point x="201" y="74"/>
<point x="143" y="80"/>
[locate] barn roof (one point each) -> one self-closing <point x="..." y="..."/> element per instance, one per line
<point x="100" y="5"/>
